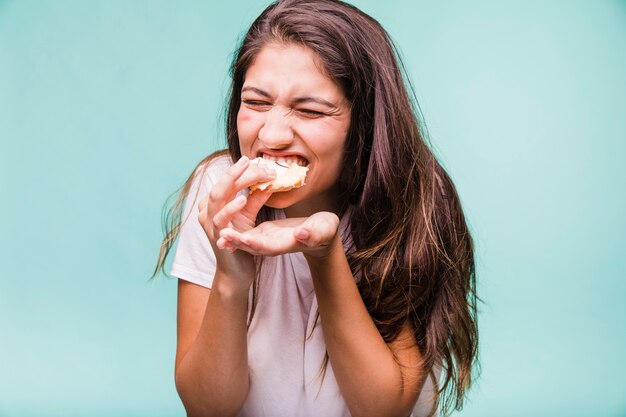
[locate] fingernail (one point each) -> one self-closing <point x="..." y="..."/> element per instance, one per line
<point x="242" y="161"/>
<point x="302" y="234"/>
<point x="240" y="200"/>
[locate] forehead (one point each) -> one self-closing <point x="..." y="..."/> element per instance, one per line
<point x="290" y="66"/>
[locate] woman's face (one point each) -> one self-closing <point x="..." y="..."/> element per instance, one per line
<point x="292" y="110"/>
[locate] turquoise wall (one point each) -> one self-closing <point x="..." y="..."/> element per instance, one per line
<point x="106" y="106"/>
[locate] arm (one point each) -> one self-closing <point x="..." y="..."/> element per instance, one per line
<point x="375" y="378"/>
<point x="370" y="379"/>
<point x="211" y="358"/>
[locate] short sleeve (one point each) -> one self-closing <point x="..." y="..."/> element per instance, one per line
<point x="194" y="260"/>
<point x="426" y="399"/>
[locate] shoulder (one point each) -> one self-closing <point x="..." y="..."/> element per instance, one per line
<point x="211" y="168"/>
<point x="217" y="162"/>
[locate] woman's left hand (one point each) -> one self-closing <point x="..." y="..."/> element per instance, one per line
<point x="312" y="235"/>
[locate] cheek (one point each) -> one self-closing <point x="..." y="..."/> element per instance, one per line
<point x="244" y="120"/>
<point x="336" y="153"/>
<point x="328" y="134"/>
<point x="246" y="126"/>
<point x="243" y="116"/>
<point x="330" y="151"/>
<point x="330" y="143"/>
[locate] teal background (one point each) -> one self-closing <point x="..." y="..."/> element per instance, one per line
<point x="106" y="106"/>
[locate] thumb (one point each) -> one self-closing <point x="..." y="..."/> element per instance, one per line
<point x="319" y="229"/>
<point x="302" y="233"/>
<point x="256" y="200"/>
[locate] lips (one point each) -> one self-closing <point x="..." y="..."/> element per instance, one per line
<point x="286" y="160"/>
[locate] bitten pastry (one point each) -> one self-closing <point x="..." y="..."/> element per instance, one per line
<point x="288" y="176"/>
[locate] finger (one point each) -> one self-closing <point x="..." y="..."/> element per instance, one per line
<point x="318" y="229"/>
<point x="221" y="243"/>
<point x="225" y="215"/>
<point x="237" y="178"/>
<point x="256" y="200"/>
<point x="230" y="235"/>
<point x="251" y="242"/>
<point x="237" y="240"/>
<point x="224" y="244"/>
<point x="302" y="234"/>
<point x="202" y="211"/>
<point x="225" y="189"/>
<point x="233" y="237"/>
<point x="203" y="204"/>
<point x="254" y="174"/>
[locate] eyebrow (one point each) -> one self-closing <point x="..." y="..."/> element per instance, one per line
<point x="298" y="100"/>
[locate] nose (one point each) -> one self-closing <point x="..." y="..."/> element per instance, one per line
<point x="277" y="132"/>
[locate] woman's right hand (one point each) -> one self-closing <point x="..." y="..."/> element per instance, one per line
<point x="222" y="208"/>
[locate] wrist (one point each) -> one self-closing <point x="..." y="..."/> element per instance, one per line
<point x="326" y="253"/>
<point x="230" y="289"/>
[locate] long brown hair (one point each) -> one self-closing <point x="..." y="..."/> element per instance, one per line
<point x="413" y="252"/>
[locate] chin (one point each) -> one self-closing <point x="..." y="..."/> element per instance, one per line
<point x="282" y="200"/>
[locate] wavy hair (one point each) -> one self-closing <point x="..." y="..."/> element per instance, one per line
<point x="412" y="249"/>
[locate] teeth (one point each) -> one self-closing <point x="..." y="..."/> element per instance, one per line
<point x="286" y="160"/>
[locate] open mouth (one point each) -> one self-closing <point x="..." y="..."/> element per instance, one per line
<point x="286" y="161"/>
<point x="291" y="171"/>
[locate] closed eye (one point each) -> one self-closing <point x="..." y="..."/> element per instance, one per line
<point x="255" y="103"/>
<point x="310" y="113"/>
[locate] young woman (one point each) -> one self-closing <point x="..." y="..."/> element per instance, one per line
<point x="346" y="296"/>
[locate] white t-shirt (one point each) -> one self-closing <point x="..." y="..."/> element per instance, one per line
<point x="286" y="346"/>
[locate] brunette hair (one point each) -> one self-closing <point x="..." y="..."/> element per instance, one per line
<point x="412" y="250"/>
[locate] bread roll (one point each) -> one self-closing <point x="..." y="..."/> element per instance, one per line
<point x="287" y="177"/>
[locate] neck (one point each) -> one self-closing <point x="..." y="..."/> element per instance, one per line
<point x="328" y="202"/>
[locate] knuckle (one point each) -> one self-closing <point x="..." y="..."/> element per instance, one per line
<point x="216" y="221"/>
<point x="231" y="171"/>
<point x="214" y="196"/>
